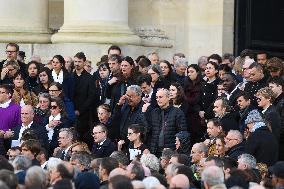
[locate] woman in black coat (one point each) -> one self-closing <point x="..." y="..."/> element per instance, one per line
<point x="192" y="90"/>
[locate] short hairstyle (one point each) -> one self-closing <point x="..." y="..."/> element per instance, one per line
<point x="115" y="57"/>
<point x="213" y="175"/>
<point x="138" y="170"/>
<point x="150" y="161"/>
<point x="21" y="162"/>
<point x="144" y="62"/>
<point x="152" y="53"/>
<point x="247" y="52"/>
<point x="156" y="68"/>
<point x="13" y="45"/>
<point x="275" y="64"/>
<point x="217" y="160"/>
<point x="277" y="81"/>
<point x="248" y="160"/>
<point x="35" y="177"/>
<point x="202" y="148"/>
<point x="215" y="57"/>
<point x="105" y="107"/>
<point x="202" y="60"/>
<point x="145" y="78"/>
<point x="229" y="162"/>
<point x="267" y="93"/>
<point x="9" y="178"/>
<point x="120" y="181"/>
<point x="166" y="91"/>
<point x="182" y="159"/>
<point x="244" y="94"/>
<point x="237" y="134"/>
<point x="228" y="56"/>
<point x="180" y="55"/>
<point x="103" y="127"/>
<point x="216" y="122"/>
<point x="70" y="132"/>
<point x="167" y="153"/>
<point x="120" y="157"/>
<point x="45" y="95"/>
<point x="256" y="66"/>
<point x="52" y="163"/>
<point x="114" y="47"/>
<point x="60" y="103"/>
<point x="181" y="62"/>
<point x="32" y="145"/>
<point x="136" y="89"/>
<point x="81" y="55"/>
<point x="186" y="170"/>
<point x="225" y="103"/>
<point x="225" y="68"/>
<point x="63" y="171"/>
<point x="84" y="158"/>
<point x="214" y="64"/>
<point x="109" y="164"/>
<point x="8" y="88"/>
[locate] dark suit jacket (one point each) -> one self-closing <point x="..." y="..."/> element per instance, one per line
<point x="272" y="117"/>
<point x="104" y="150"/>
<point x="39" y="130"/>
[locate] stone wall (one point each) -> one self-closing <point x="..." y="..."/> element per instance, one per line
<point x="194" y="27"/>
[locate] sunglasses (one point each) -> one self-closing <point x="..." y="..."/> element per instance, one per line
<point x="53" y="107"/>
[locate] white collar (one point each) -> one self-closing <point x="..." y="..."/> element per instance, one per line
<point x="5" y="104"/>
<point x="29" y="125"/>
<point x="264" y="110"/>
<point x="101" y="143"/>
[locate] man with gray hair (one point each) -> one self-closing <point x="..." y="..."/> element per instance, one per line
<point x="180" y="69"/>
<point x="153" y="57"/>
<point x="35" y="178"/>
<point x="81" y="160"/>
<point x="163" y="123"/>
<point x="246" y="161"/>
<point x="234" y="144"/>
<point x="213" y="177"/>
<point x="129" y="109"/>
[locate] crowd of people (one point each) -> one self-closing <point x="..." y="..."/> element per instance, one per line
<point x="143" y="123"/>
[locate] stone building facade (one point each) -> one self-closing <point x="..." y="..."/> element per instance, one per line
<point x="49" y="27"/>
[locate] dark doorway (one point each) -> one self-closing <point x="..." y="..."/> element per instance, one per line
<point x="259" y="25"/>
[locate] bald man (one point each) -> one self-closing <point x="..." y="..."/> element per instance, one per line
<point x="27" y="116"/>
<point x="117" y="171"/>
<point x="179" y="181"/>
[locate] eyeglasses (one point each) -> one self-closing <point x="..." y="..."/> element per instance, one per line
<point x="53" y="90"/>
<point x="53" y="107"/>
<point x="229" y="139"/>
<point x="128" y="134"/>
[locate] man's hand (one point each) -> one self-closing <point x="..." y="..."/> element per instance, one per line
<point x="77" y="113"/>
<point x="4" y="72"/>
<point x="122" y="100"/>
<point x="9" y="134"/>
<point x="145" y="107"/>
<point x="119" y="144"/>
<point x="112" y="80"/>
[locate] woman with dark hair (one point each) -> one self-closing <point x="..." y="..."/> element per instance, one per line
<point x="21" y="95"/>
<point x="42" y="111"/>
<point x="209" y="90"/>
<point x="157" y="82"/>
<point x="183" y="143"/>
<point x="56" y="121"/>
<point x="192" y="90"/>
<point x="101" y="82"/>
<point x="177" y="97"/>
<point x="45" y="78"/>
<point x="32" y="79"/>
<point x="135" y="135"/>
<point x="56" y="90"/>
<point x="167" y="71"/>
<point x="61" y="75"/>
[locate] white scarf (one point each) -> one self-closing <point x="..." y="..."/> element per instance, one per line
<point x="50" y="130"/>
<point x="57" y="78"/>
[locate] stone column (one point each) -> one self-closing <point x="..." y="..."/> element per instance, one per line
<point x="96" y="21"/>
<point x="24" y="21"/>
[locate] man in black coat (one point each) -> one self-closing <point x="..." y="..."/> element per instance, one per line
<point x="164" y="123"/>
<point x="128" y="110"/>
<point x="222" y="111"/>
<point x="261" y="143"/>
<point x="103" y="146"/>
<point x="277" y="86"/>
<point x="234" y="144"/>
<point x="27" y="115"/>
<point x="84" y="93"/>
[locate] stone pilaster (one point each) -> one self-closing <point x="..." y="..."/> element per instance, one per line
<point x="96" y="21"/>
<point x="24" y="21"/>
